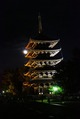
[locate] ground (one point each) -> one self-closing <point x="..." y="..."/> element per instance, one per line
<point x="39" y="109"/>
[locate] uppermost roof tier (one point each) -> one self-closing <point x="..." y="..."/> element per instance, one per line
<point x="41" y="38"/>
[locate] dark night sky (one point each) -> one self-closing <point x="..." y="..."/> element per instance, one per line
<point x="19" y="19"/>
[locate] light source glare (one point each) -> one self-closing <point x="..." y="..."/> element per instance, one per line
<point x="25" y="52"/>
<point x="56" y="89"/>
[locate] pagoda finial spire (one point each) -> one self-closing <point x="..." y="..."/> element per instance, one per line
<point x="40" y="24"/>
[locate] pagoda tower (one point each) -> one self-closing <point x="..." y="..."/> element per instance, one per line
<point x="41" y="62"/>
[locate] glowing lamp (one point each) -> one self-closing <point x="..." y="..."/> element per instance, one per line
<point x="56" y="89"/>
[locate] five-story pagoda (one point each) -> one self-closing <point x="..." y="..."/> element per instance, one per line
<point x="41" y="61"/>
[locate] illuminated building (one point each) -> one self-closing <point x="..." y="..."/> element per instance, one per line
<point x="41" y="54"/>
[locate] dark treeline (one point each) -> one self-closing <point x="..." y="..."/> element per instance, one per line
<point x="69" y="73"/>
<point x="13" y="80"/>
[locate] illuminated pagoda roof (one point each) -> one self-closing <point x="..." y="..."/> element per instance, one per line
<point x="40" y="74"/>
<point x="40" y="63"/>
<point x="34" y="53"/>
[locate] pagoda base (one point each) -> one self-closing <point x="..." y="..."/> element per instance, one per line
<point x="37" y="87"/>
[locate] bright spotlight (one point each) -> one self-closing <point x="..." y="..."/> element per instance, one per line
<point x="25" y="52"/>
